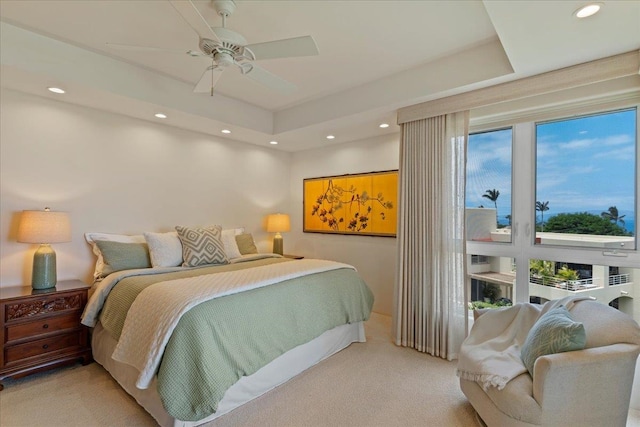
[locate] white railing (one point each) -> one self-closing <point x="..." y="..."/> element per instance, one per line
<point x="619" y="279"/>
<point x="569" y="285"/>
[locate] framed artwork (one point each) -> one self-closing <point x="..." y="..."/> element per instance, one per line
<point x="363" y="204"/>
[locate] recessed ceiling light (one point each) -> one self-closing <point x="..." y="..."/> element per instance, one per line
<point x="273" y="142"/>
<point x="55" y="90"/>
<point x="225" y="131"/>
<point x="384" y="125"/>
<point x="161" y="116"/>
<point x="588" y="10"/>
<point x="331" y="137"/>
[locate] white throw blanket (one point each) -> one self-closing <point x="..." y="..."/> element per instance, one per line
<point x="101" y="289"/>
<point x="490" y="355"/>
<point x="157" y="309"/>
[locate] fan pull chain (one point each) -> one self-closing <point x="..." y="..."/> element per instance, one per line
<point x="212" y="64"/>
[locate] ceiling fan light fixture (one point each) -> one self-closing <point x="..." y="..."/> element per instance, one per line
<point x="331" y="137"/>
<point x="273" y="142"/>
<point x="588" y="10"/>
<point x="56" y="90"/>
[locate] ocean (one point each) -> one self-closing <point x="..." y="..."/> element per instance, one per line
<point x="629" y="224"/>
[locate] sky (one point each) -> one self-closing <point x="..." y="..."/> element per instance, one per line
<point x="583" y="164"/>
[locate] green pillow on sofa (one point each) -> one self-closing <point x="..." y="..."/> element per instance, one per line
<point x="554" y="332"/>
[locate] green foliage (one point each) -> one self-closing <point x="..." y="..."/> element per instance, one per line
<point x="583" y="223"/>
<point x="566" y="273"/>
<point x="481" y="304"/>
<point x="613" y="216"/>
<point x="542" y="207"/>
<point x="542" y="268"/>
<point x="490" y="291"/>
<point x="493" y="196"/>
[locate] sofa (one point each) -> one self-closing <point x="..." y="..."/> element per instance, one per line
<point x="588" y="387"/>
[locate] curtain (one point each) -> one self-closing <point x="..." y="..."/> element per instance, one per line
<point x="430" y="303"/>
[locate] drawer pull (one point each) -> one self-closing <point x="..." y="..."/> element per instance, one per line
<point x="46" y="346"/>
<point x="45" y="326"/>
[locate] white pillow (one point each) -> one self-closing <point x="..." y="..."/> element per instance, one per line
<point x="229" y="242"/>
<point x="165" y="249"/>
<point x="98" y="273"/>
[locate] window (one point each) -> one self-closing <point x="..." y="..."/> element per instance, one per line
<point x="488" y="186"/>
<point x="545" y="172"/>
<point x="585" y="181"/>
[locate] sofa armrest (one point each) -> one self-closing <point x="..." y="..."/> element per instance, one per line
<point x="600" y="379"/>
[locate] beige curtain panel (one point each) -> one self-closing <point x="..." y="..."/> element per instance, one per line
<point x="430" y="305"/>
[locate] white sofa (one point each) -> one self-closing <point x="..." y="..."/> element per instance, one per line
<point x="590" y="387"/>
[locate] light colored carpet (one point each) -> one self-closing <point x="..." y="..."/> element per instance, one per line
<point x="367" y="384"/>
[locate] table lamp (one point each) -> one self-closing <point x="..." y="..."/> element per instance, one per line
<point x="277" y="223"/>
<point x="44" y="227"/>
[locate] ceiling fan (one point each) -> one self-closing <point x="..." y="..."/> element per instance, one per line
<point x="226" y="48"/>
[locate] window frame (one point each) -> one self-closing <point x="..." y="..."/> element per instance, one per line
<point x="522" y="246"/>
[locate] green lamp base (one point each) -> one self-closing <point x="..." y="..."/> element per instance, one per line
<point x="277" y="244"/>
<point x="44" y="268"/>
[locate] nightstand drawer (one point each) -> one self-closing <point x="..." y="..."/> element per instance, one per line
<point x="43" y="326"/>
<point x="40" y="347"/>
<point x="35" y="307"/>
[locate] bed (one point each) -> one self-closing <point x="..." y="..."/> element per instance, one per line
<point x="191" y="344"/>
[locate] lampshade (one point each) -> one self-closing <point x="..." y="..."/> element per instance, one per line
<point x="277" y="223"/>
<point x="44" y="227"/>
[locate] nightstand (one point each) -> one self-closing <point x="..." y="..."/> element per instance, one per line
<point x="293" y="256"/>
<point x="40" y="329"/>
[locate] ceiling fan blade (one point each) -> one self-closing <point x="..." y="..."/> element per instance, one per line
<point x="135" y="48"/>
<point x="192" y="16"/>
<point x="208" y="79"/>
<point x="267" y="79"/>
<point x="285" y="48"/>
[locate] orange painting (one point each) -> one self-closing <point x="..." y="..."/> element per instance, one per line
<point x="364" y="204"/>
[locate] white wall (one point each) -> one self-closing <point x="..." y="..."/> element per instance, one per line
<point x="122" y="175"/>
<point x="374" y="257"/>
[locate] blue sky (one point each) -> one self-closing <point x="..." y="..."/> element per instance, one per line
<point x="583" y="164"/>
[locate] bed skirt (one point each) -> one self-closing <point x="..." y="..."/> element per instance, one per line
<point x="246" y="389"/>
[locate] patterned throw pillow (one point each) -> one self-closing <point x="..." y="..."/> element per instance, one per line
<point x="202" y="246"/>
<point x="554" y="332"/>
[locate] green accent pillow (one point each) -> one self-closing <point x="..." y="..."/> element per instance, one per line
<point x="246" y="244"/>
<point x="123" y="256"/>
<point x="554" y="332"/>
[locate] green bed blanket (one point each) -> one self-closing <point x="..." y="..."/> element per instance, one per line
<point x="221" y="340"/>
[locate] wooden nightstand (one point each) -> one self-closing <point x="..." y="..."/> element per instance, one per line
<point x="40" y="329"/>
<point x="293" y="256"/>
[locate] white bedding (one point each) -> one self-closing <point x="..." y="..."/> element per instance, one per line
<point x="101" y="289"/>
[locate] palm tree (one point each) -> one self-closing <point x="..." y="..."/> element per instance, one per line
<point x="493" y="196"/>
<point x="542" y="207"/>
<point x="612" y="215"/>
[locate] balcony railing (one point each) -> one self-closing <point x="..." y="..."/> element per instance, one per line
<point x="569" y="285"/>
<point x="619" y="279"/>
